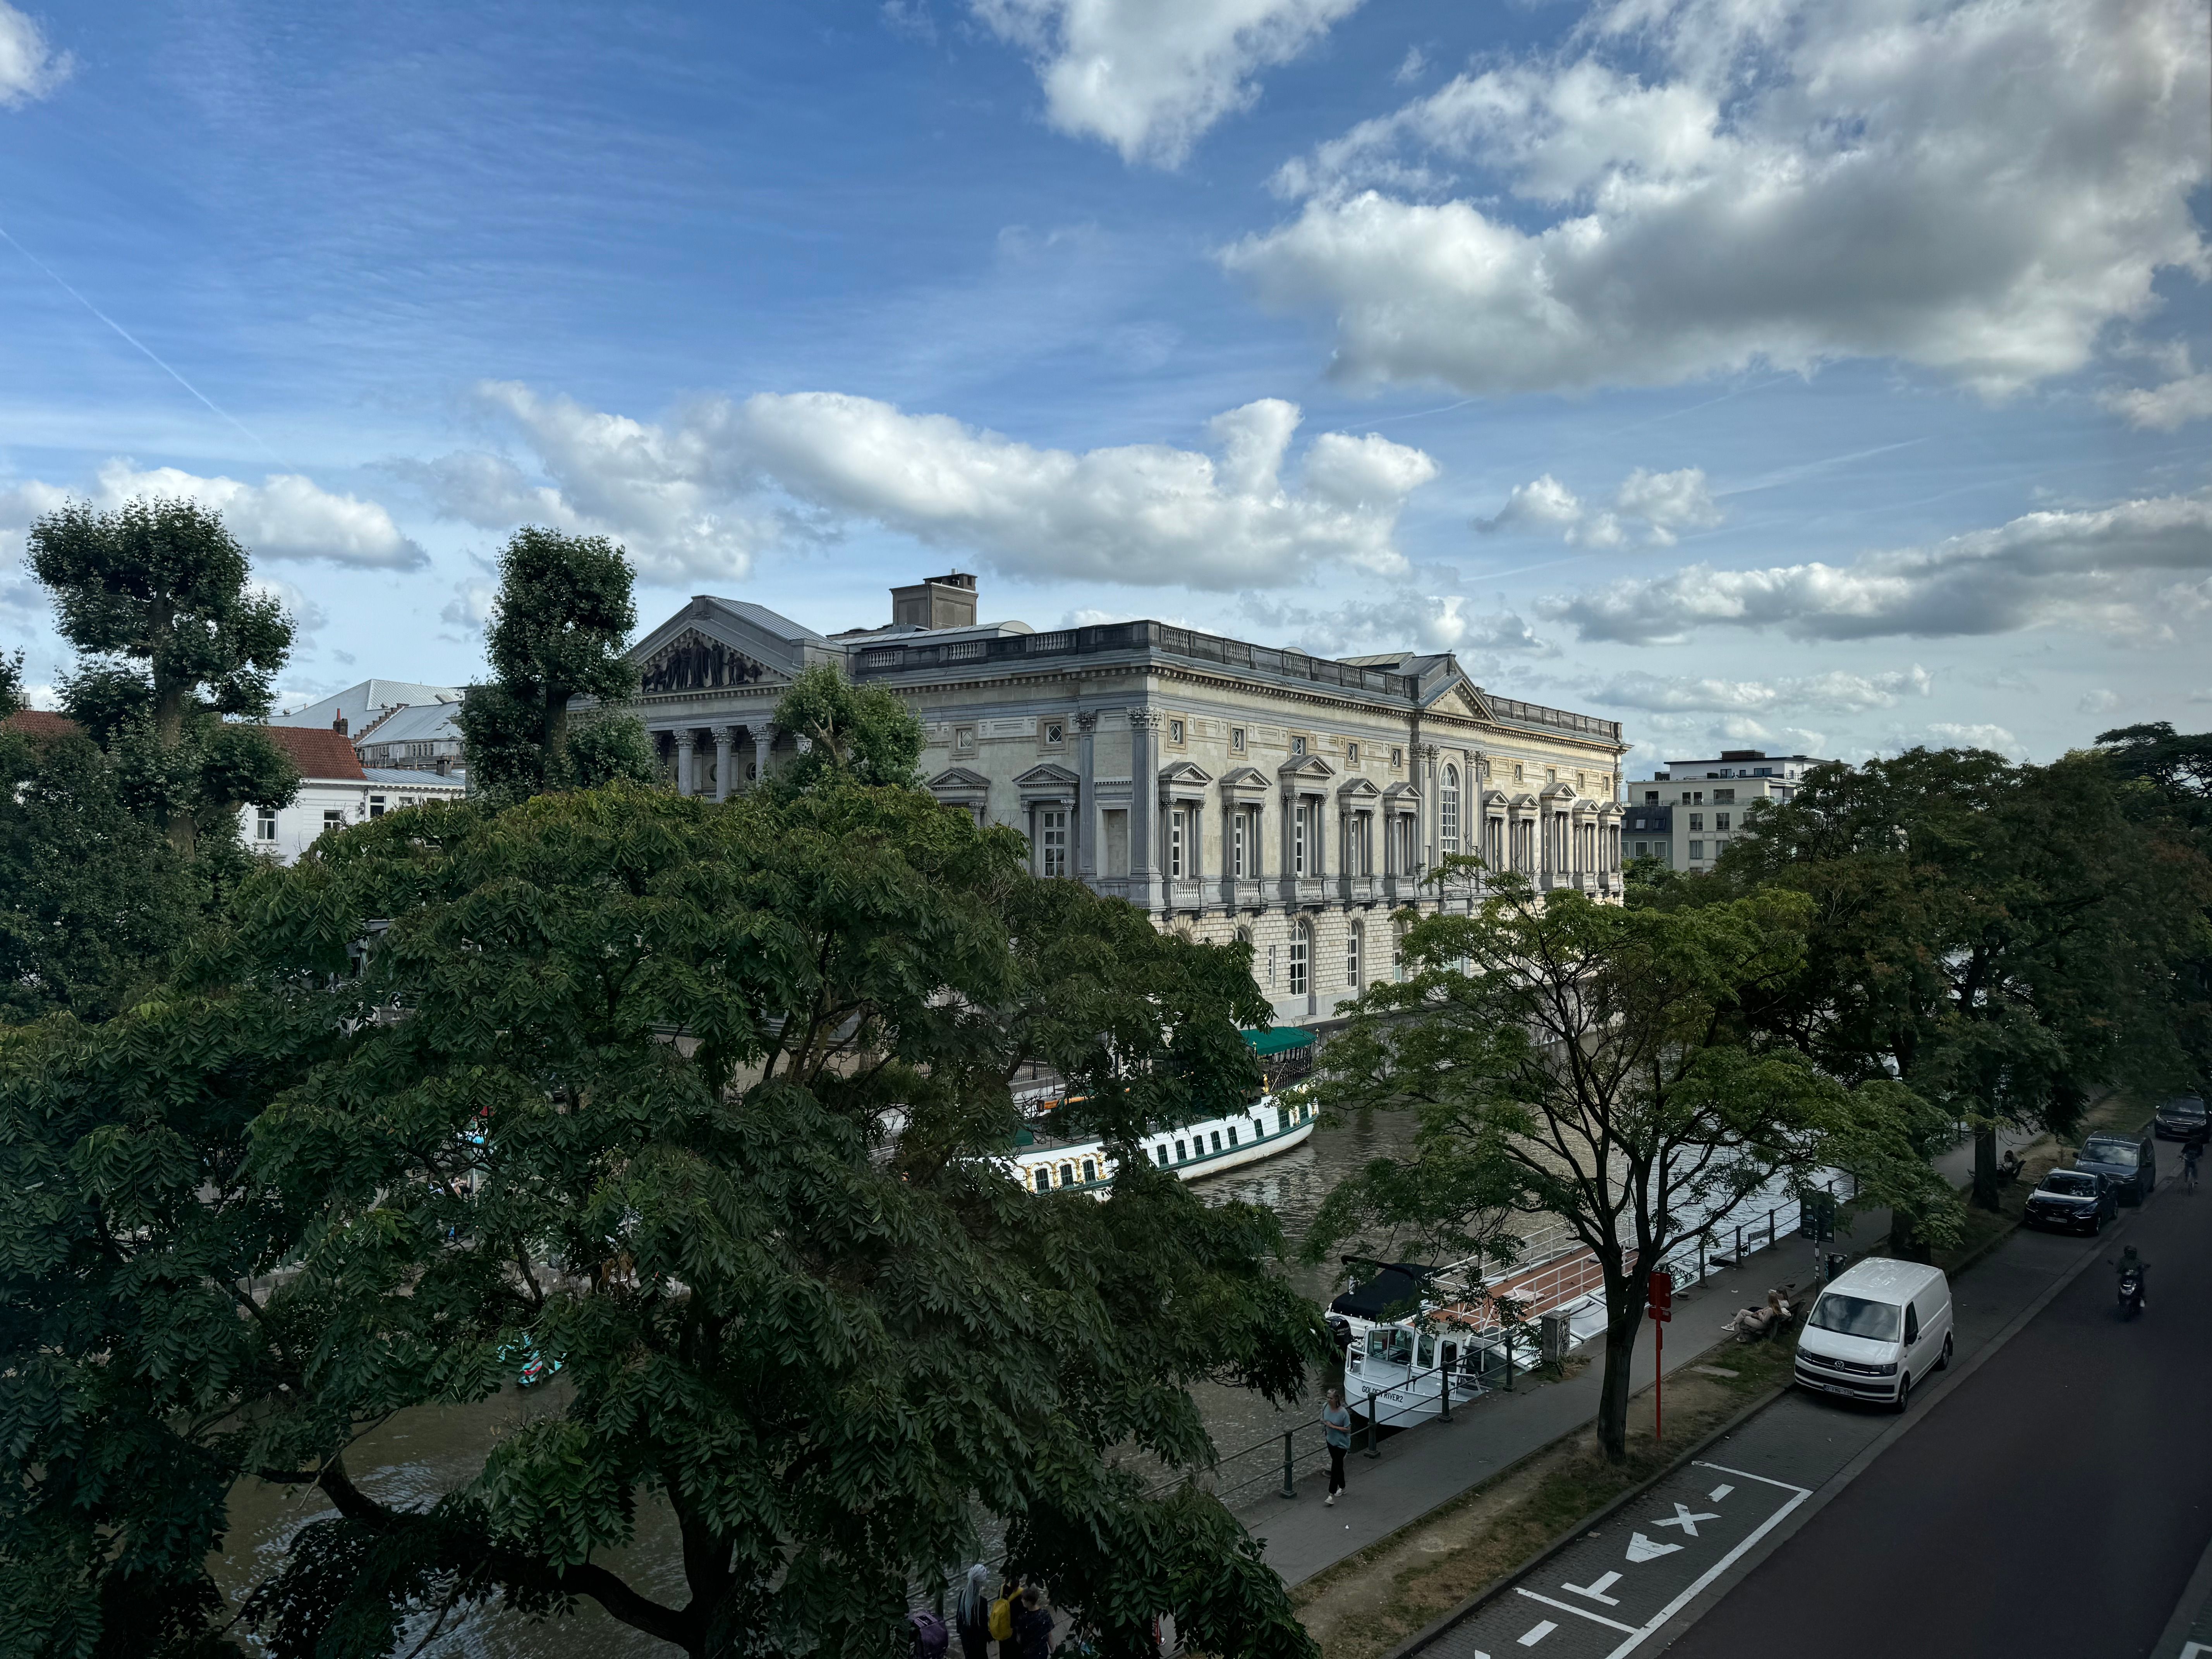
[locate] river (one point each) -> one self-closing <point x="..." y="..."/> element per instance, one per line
<point x="422" y="1454"/>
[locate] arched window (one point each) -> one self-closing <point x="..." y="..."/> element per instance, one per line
<point x="1301" y="954"/>
<point x="1351" y="944"/>
<point x="1448" y="812"/>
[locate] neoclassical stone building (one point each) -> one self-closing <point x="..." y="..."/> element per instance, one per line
<point x="1231" y="789"/>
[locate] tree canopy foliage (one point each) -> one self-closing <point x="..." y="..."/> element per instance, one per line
<point x="559" y="628"/>
<point x="701" y="1102"/>
<point x="156" y="598"/>
<point x="862" y="731"/>
<point x="1591" y="1062"/>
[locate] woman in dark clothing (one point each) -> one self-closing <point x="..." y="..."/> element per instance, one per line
<point x="971" y="1619"/>
<point x="1032" y="1627"/>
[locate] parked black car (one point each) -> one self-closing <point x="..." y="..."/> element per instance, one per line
<point x="2078" y="1200"/>
<point x="2182" y="1118"/>
<point x="2129" y="1162"/>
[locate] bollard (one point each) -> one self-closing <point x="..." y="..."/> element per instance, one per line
<point x="1771" y="1237"/>
<point x="1446" y="1376"/>
<point x="1701" y="1258"/>
<point x="1371" y="1426"/>
<point x="1509" y="1361"/>
<point x="1289" y="1484"/>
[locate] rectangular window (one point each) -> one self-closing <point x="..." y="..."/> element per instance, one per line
<point x="1651" y="798"/>
<point x="1174" y="731"/>
<point x="265" y="824"/>
<point x="1697" y="820"/>
<point x="963" y="739"/>
<point x="1052" y="842"/>
<point x="376" y="806"/>
<point x="1298" y="844"/>
<point x="1723" y="797"/>
<point x="1351" y="754"/>
<point x="1236" y="863"/>
<point x="1720" y="820"/>
<point x="1232" y="1140"/>
<point x="1298" y="962"/>
<point x="1117" y="843"/>
<point x="1351" y="956"/>
<point x="1397" y="759"/>
<point x="1217" y="1140"/>
<point x="1297" y="746"/>
<point x="333" y="818"/>
<point x="1182" y="1152"/>
<point x="1237" y="739"/>
<point x="1056" y="734"/>
<point x="1175" y="843"/>
<point x="1697" y="849"/>
<point x="1643" y="849"/>
<point x="1163" y="1150"/>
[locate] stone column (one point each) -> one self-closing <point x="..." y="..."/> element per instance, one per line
<point x="684" y="740"/>
<point x="763" y="741"/>
<point x="1431" y="807"/>
<point x="1082" y="822"/>
<point x="726" y="743"/>
<point x="1145" y="807"/>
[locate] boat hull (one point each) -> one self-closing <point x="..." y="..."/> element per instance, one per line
<point x="1270" y="1128"/>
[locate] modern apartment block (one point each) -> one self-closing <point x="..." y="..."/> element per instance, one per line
<point x="1232" y="790"/>
<point x="1688" y="813"/>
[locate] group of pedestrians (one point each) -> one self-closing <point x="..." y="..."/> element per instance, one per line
<point x="1016" y="1620"/>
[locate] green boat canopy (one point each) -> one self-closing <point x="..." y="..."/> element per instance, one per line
<point x="1278" y="1041"/>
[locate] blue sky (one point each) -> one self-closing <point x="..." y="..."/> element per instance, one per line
<point x="1771" y="374"/>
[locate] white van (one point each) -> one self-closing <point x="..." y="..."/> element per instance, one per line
<point x="1877" y="1330"/>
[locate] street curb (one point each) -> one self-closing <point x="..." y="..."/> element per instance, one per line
<point x="1833" y="1487"/>
<point x="1499" y="1585"/>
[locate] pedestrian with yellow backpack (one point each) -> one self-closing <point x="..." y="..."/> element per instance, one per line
<point x="1002" y="1617"/>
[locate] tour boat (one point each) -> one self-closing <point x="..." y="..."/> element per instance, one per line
<point x="1271" y="1125"/>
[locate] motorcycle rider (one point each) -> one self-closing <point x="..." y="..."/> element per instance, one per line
<point x="2132" y="1261"/>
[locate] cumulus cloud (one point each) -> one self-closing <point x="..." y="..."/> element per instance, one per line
<point x="2139" y="568"/>
<point x="1649" y="506"/>
<point x="285" y="516"/>
<point x="2102" y="700"/>
<point x="1949" y="735"/>
<point x="1836" y="692"/>
<point x="697" y="495"/>
<point x="469" y="608"/>
<point x="30" y="67"/>
<point x="1151" y="76"/>
<point x="2163" y="408"/>
<point x="1980" y="187"/>
<point x="1405" y="619"/>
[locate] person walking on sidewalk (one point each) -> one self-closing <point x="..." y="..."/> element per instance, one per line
<point x="1032" y="1627"/>
<point x="971" y="1617"/>
<point x="1336" y="1424"/>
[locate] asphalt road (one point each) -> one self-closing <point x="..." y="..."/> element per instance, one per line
<point x="2055" y="1502"/>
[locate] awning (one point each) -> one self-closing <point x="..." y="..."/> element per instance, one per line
<point x="1280" y="1040"/>
<point x="1393" y="1293"/>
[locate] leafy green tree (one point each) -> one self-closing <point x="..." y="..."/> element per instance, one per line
<point x="1590" y="1063"/>
<point x="705" y="1103"/>
<point x="559" y="628"/>
<point x="2002" y="939"/>
<point x="2170" y="778"/>
<point x="860" y="732"/>
<point x="155" y="598"/>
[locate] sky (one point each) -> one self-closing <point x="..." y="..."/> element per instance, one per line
<point x="1813" y="375"/>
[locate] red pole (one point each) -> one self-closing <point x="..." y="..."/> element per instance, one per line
<point x="1658" y="1379"/>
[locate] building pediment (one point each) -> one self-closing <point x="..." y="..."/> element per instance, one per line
<point x="1497" y="797"/>
<point x="1358" y="789"/>
<point x="1403" y="794"/>
<point x="1559" y="792"/>
<point x="691" y="659"/>
<point x="1046" y="774"/>
<point x="1306" y="768"/>
<point x="959" y="782"/>
<point x="1459" y="696"/>
<point x="1523" y="802"/>
<point x="1244" y="779"/>
<point x="1183" y="771"/>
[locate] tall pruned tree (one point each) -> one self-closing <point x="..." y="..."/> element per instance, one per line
<point x="156" y="598"/>
<point x="708" y="1104"/>
<point x="559" y="628"/>
<point x="863" y="733"/>
<point x="1591" y="1063"/>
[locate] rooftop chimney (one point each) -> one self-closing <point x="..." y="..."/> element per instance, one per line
<point x="947" y="601"/>
<point x="338" y="725"/>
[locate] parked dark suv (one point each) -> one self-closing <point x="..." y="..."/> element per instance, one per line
<point x="2129" y="1162"/>
<point x="2075" y="1199"/>
<point x="2182" y="1118"/>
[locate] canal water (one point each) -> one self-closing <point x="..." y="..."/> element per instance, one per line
<point x="420" y="1455"/>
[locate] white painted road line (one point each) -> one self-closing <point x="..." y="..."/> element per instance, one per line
<point x="1596" y="1588"/>
<point x="1579" y="1613"/>
<point x="1798" y="1495"/>
<point x="1718" y="1492"/>
<point x="1685" y="1521"/>
<point x="1532" y="1638"/>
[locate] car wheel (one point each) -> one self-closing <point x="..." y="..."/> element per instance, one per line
<point x="1943" y="1363"/>
<point x="1904" y="1392"/>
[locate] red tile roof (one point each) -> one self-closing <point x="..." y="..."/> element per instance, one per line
<point x="41" y="723"/>
<point x="317" y="750"/>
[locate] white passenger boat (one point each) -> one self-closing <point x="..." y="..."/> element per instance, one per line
<point x="1271" y="1125"/>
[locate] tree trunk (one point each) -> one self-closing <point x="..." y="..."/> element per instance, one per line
<point x="1624" y="1315"/>
<point x="1905" y="1243"/>
<point x="1986" y="1168"/>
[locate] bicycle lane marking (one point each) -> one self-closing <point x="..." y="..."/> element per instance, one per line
<point x="1797" y="1495"/>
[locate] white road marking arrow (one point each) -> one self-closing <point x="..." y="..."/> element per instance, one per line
<point x="1531" y="1638"/>
<point x="1641" y="1548"/>
<point x="1685" y="1521"/>
<point x="1596" y="1588"/>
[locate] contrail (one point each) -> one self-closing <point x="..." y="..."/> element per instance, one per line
<point x="148" y="351"/>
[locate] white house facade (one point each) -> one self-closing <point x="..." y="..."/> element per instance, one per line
<point x="335" y="790"/>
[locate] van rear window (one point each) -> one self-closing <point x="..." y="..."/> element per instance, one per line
<point x="1854" y="1316"/>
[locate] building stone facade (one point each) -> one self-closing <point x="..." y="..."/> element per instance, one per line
<point x="1231" y="790"/>
<point x="1693" y="809"/>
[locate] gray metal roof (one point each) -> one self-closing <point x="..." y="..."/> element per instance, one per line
<point x="399" y="777"/>
<point x="767" y="620"/>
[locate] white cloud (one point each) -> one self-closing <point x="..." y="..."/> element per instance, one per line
<point x="1659" y="503"/>
<point x="2138" y="567"/>
<point x="2164" y="408"/>
<point x="308" y="617"/>
<point x="1414" y="65"/>
<point x="1980" y="187"/>
<point x="694" y="496"/>
<point x="2099" y="702"/>
<point x="1836" y="692"/>
<point x="1949" y="735"/>
<point x="285" y="516"/>
<point x="1405" y="619"/>
<point x="1151" y="76"/>
<point x="30" y="67"/>
<point x="470" y="606"/>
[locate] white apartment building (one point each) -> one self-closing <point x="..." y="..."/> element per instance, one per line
<point x="1232" y="790"/>
<point x="1696" y="807"/>
<point x="335" y="790"/>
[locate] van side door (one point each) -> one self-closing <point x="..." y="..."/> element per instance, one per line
<point x="1911" y="1334"/>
